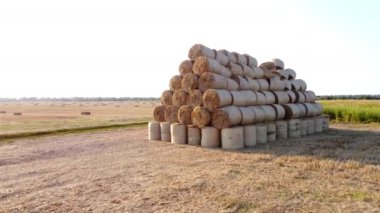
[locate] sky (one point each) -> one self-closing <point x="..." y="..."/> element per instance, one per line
<point x="92" y="48"/>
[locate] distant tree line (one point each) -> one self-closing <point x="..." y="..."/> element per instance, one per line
<point x="345" y="97"/>
<point x="97" y="99"/>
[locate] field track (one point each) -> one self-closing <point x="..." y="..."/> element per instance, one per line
<point x="118" y="170"/>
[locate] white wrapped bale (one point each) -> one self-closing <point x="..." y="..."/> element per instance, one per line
<point x="292" y="96"/>
<point x="261" y="133"/>
<point x="294" y="128"/>
<point x="199" y="50"/>
<point x="193" y="135"/>
<point x="292" y="74"/>
<point x="212" y="81"/>
<point x="241" y="59"/>
<point x="258" y="72"/>
<point x="235" y="69"/>
<point x="253" y="84"/>
<point x="203" y="65"/>
<point x="221" y="57"/>
<point x="259" y="114"/>
<point x="271" y="132"/>
<point x="210" y="137"/>
<point x="264" y="85"/>
<point x="281" y="129"/>
<point x="154" y="132"/>
<point x="303" y="127"/>
<point x="232" y="85"/>
<point x="318" y="124"/>
<point x="252" y="62"/>
<point x="280" y="111"/>
<point x="250" y="137"/>
<point x="301" y="110"/>
<point x="242" y="82"/>
<point x="165" y="131"/>
<point x="281" y="97"/>
<point x="248" y="72"/>
<point x="310" y="96"/>
<point x="238" y="98"/>
<point x="270" y="113"/>
<point x="325" y="124"/>
<point x="232" y="138"/>
<point x="250" y="96"/>
<point x="279" y="64"/>
<point x="300" y="97"/>
<point x="178" y="133"/>
<point x="269" y="97"/>
<point x="261" y="100"/>
<point x="291" y="111"/>
<point x="276" y="84"/>
<point x="248" y="116"/>
<point x="310" y="126"/>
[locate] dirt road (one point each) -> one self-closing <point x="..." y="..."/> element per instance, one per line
<point x="119" y="171"/>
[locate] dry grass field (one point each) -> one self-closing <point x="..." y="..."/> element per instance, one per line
<point x="48" y="116"/>
<point x="118" y="170"/>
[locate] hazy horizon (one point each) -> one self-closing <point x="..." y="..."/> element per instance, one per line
<point x="132" y="49"/>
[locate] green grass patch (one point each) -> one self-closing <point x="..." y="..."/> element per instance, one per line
<point x="354" y="111"/>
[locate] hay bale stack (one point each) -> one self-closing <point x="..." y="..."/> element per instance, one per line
<point x="154" y="131"/>
<point x="165" y="131"/>
<point x="193" y="135"/>
<point x="248" y="116"/>
<point x="175" y="82"/>
<point x="250" y="137"/>
<point x="212" y="81"/>
<point x="199" y="50"/>
<point x="232" y="138"/>
<point x="178" y="133"/>
<point x="185" y="67"/>
<point x="167" y="98"/>
<point x="210" y="137"/>
<point x="226" y="117"/>
<point x="213" y="99"/>
<point x="189" y="82"/>
<point x="261" y="133"/>
<point x="203" y="65"/>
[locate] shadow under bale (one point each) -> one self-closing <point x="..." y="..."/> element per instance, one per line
<point x="85" y="113"/>
<point x="17" y="113"/>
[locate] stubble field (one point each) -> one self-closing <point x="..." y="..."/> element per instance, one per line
<point x="119" y="170"/>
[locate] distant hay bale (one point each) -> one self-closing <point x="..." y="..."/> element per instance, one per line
<point x="167" y="98"/>
<point x="199" y="50"/>
<point x="185" y="67"/>
<point x="226" y="117"/>
<point x="203" y="65"/>
<point x="190" y="82"/>
<point x="212" y="81"/>
<point x="200" y="117"/>
<point x="175" y="82"/>
<point x="180" y="97"/>
<point x="159" y="113"/>
<point x="3" y="112"/>
<point x="17" y="113"/>
<point x="171" y="114"/>
<point x="195" y="98"/>
<point x="215" y="98"/>
<point x="85" y="113"/>
<point x="184" y="114"/>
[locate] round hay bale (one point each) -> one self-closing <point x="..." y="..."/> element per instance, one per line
<point x="276" y="84"/>
<point x="319" y="109"/>
<point x="232" y="85"/>
<point x="268" y="66"/>
<point x="259" y="114"/>
<point x="175" y="82"/>
<point x="238" y="98"/>
<point x="251" y="61"/>
<point x="159" y="113"/>
<point x="292" y="74"/>
<point x="199" y="50"/>
<point x="165" y="131"/>
<point x="184" y="114"/>
<point x="214" y="98"/>
<point x="171" y="114"/>
<point x="226" y="117"/>
<point x="280" y="111"/>
<point x="288" y="86"/>
<point x="310" y="96"/>
<point x="232" y="58"/>
<point x="200" y="117"/>
<point x="300" y="97"/>
<point x="193" y="135"/>
<point x="250" y="135"/>
<point x="248" y="116"/>
<point x="281" y="97"/>
<point x="303" y="84"/>
<point x="180" y="97"/>
<point x="235" y="69"/>
<point x="221" y="57"/>
<point x="178" y="133"/>
<point x="203" y="65"/>
<point x="154" y="132"/>
<point x="291" y="111"/>
<point x="301" y="110"/>
<point x="251" y="98"/>
<point x="292" y="96"/>
<point x="232" y="138"/>
<point x="270" y="113"/>
<point x="310" y="126"/>
<point x="278" y="63"/>
<point x="284" y="74"/>
<point x="318" y="124"/>
<point x="248" y="72"/>
<point x="241" y="59"/>
<point x="258" y="73"/>
<point x="271" y="132"/>
<point x="269" y="97"/>
<point x="190" y="82"/>
<point x="311" y="110"/>
<point x="211" y="81"/>
<point x="303" y="127"/>
<point x="261" y="100"/>
<point x="195" y="98"/>
<point x="210" y="137"/>
<point x="242" y="82"/>
<point x="264" y="85"/>
<point x="281" y="129"/>
<point x="167" y="98"/>
<point x="261" y="132"/>
<point x="253" y="84"/>
<point x="296" y="86"/>
<point x="294" y="128"/>
<point x="185" y="67"/>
